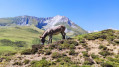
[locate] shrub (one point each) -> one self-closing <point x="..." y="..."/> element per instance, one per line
<point x="107" y="64"/>
<point x="99" y="60"/>
<point x="92" y="36"/>
<point x="110" y="38"/>
<point x="88" y="48"/>
<point x="116" y="41"/>
<point x="103" y="36"/>
<point x="85" y="54"/>
<point x="60" y="48"/>
<point x="26" y="51"/>
<point x="33" y="62"/>
<point x="87" y="63"/>
<point x="104" y="53"/>
<point x="43" y="57"/>
<point x="9" y="53"/>
<point x="20" y="44"/>
<point x="102" y="47"/>
<point x="94" y="56"/>
<point x="82" y="40"/>
<point x="36" y="47"/>
<point x="72" y="46"/>
<point x="117" y="56"/>
<point x="40" y="51"/>
<point x="64" y="54"/>
<point x="67" y="59"/>
<point x="64" y="59"/>
<point x="6" y="58"/>
<point x="52" y="46"/>
<point x="113" y="59"/>
<point x="41" y="63"/>
<point x="85" y="66"/>
<point x="73" y="42"/>
<point x="84" y="44"/>
<point x="26" y="61"/>
<point x="65" y="45"/>
<point x="17" y="63"/>
<point x="72" y="52"/>
<point x="6" y="42"/>
<point x="62" y="62"/>
<point x="48" y="52"/>
<point x="56" y="55"/>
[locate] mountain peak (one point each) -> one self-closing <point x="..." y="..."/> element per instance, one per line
<point x="45" y="23"/>
<point x="59" y="16"/>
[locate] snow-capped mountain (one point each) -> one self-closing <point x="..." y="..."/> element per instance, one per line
<point x="43" y="23"/>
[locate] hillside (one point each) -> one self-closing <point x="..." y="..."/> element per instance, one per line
<point x="99" y="49"/>
<point x="43" y="23"/>
<point x="17" y="38"/>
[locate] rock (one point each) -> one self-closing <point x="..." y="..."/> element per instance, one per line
<point x="116" y="40"/>
<point x="1" y="59"/>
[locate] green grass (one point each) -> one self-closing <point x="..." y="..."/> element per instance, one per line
<point x="28" y="34"/>
<point x="23" y="33"/>
<point x="19" y="33"/>
<point x="6" y="49"/>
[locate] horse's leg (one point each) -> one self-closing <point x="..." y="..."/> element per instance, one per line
<point x="49" y="40"/>
<point x="63" y="35"/>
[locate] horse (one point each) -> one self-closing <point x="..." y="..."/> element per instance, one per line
<point x="53" y="31"/>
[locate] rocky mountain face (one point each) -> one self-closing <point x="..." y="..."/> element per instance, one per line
<point x="43" y="23"/>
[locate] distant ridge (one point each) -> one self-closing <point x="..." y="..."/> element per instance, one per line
<point x="43" y="23"/>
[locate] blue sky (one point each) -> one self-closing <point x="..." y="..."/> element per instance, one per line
<point x="89" y="14"/>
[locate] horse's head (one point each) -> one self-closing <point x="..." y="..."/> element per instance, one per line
<point x="42" y="40"/>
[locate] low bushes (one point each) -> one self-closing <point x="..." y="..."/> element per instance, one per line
<point x="105" y="53"/>
<point x="41" y="63"/>
<point x="87" y="63"/>
<point x="18" y="63"/>
<point x="27" y="51"/>
<point x="116" y="41"/>
<point x="94" y="56"/>
<point x="85" y="54"/>
<point x="102" y="47"/>
<point x="107" y="64"/>
<point x="56" y="55"/>
<point x="72" y="52"/>
<point x="66" y="44"/>
<point x="26" y="61"/>
<point x="48" y="52"/>
<point x="6" y="42"/>
<point x="65" y="59"/>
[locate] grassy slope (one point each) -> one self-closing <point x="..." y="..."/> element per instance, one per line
<point x="99" y="49"/>
<point x="21" y="33"/>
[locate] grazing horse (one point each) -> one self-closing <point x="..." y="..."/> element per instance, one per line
<point x="53" y="31"/>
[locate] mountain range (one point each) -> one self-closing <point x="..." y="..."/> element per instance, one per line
<point x="43" y="23"/>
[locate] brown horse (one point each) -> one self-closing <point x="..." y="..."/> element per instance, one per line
<point x="53" y="31"/>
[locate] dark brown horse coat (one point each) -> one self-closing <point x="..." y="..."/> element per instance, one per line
<point x="53" y="31"/>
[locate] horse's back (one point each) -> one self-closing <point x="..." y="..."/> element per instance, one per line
<point x="57" y="29"/>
